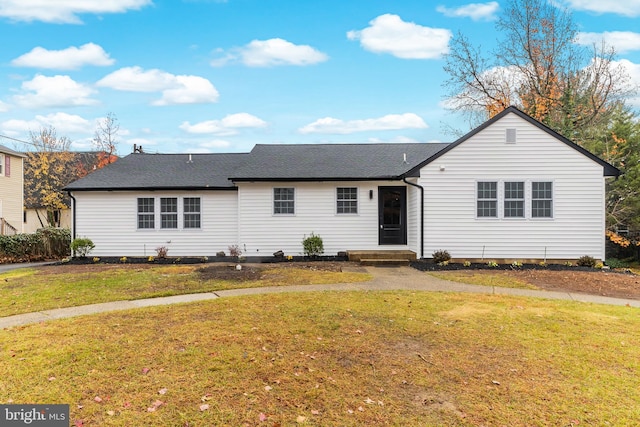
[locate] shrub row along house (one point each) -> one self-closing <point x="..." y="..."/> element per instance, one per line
<point x="510" y="189"/>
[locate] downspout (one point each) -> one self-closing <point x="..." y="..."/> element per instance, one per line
<point x="73" y="216"/>
<point x="404" y="179"/>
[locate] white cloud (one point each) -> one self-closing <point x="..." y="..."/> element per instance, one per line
<point x="388" y="122"/>
<point x="64" y="11"/>
<point x="633" y="70"/>
<point x="216" y="143"/>
<point x="390" y="34"/>
<point x="622" y="41"/>
<point x="70" y="58"/>
<point x="4" y="107"/>
<point x="56" y="91"/>
<point x="475" y="11"/>
<point x="64" y="124"/>
<point x="630" y="8"/>
<point x="272" y="52"/>
<point x="176" y="89"/>
<point x="229" y="125"/>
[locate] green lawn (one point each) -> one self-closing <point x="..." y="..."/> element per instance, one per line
<point x="29" y="290"/>
<point x="335" y="358"/>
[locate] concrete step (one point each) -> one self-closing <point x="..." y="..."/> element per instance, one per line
<point x="384" y="261"/>
<point x="382" y="254"/>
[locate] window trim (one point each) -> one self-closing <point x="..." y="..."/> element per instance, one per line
<point x="275" y="209"/>
<point x="348" y="202"/>
<point x="2" y="164"/>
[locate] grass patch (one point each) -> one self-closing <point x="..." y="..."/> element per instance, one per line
<point x="483" y="278"/>
<point x="343" y="358"/>
<point x="29" y="290"/>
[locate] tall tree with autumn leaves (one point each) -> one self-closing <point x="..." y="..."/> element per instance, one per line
<point x="50" y="166"/>
<point x="538" y="67"/>
<point x="577" y="91"/>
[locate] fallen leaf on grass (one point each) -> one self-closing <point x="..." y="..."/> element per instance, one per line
<point x="262" y="417"/>
<point x="301" y="419"/>
<point x="79" y="423"/>
<point x="162" y="391"/>
<point x="155" y="405"/>
<point x="111" y="413"/>
<point x="97" y="399"/>
<point x="268" y="388"/>
<point x="204" y="407"/>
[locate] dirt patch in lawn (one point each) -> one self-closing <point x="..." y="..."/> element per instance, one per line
<point x="248" y="272"/>
<point x="606" y="283"/>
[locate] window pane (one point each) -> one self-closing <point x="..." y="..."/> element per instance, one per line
<point x="487" y="208"/>
<point x="146" y="217"/>
<point x="191" y="212"/>
<point x="347" y="201"/>
<point x="168" y="212"/>
<point x="283" y="201"/>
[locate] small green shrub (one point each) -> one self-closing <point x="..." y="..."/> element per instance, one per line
<point x="82" y="246"/>
<point x="313" y="245"/>
<point x="466" y="264"/>
<point x="492" y="264"/>
<point x="441" y="256"/>
<point x="617" y="263"/>
<point x="586" y="261"/>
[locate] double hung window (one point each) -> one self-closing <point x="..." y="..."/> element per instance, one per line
<point x="487" y="204"/>
<point x="284" y="201"/>
<point x="541" y="199"/>
<point x="347" y="200"/>
<point x="146" y="212"/>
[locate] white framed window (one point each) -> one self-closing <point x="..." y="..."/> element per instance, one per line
<point x="487" y="199"/>
<point x="284" y="201"/>
<point x="514" y="199"/>
<point x="168" y="212"/>
<point x="146" y="213"/>
<point x="1" y="164"/>
<point x="191" y="212"/>
<point x="347" y="200"/>
<point x="542" y="199"/>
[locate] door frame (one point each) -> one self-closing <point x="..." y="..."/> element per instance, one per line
<point x="402" y="238"/>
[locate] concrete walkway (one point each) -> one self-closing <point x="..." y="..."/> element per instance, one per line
<point x="384" y="279"/>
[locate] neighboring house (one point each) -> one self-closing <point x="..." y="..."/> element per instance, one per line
<point x="36" y="215"/>
<point x="11" y="191"/>
<point x="510" y="189"/>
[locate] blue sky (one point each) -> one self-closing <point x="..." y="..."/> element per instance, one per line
<point x="223" y="75"/>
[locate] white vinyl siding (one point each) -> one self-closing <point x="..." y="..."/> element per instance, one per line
<point x="109" y="219"/>
<point x="263" y="233"/>
<point x="577" y="224"/>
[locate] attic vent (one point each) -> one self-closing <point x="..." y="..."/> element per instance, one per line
<point x="511" y="136"/>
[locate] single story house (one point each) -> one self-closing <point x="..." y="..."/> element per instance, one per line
<point x="510" y="189"/>
<point x="11" y="191"/>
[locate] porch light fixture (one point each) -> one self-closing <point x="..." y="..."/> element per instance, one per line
<point x="370" y="194"/>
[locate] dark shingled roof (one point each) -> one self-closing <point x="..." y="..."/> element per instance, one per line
<point x="6" y="150"/>
<point x="164" y="171"/>
<point x="311" y="162"/>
